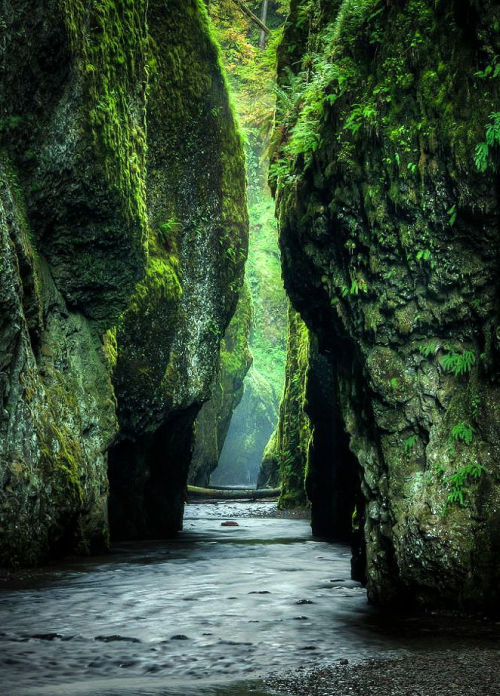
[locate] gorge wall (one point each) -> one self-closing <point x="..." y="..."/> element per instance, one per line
<point x="386" y="176"/>
<point x="123" y="230"/>
<point x="215" y="416"/>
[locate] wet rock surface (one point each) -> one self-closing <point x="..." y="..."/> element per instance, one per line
<point x="123" y="235"/>
<point x="216" y="414"/>
<point x="389" y="235"/>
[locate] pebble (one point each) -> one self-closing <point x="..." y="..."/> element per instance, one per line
<point x="467" y="672"/>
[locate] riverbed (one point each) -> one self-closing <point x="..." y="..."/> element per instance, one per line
<point x="213" y="611"/>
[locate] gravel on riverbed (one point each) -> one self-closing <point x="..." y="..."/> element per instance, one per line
<point x="474" y="672"/>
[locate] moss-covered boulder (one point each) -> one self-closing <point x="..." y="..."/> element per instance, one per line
<point x="215" y="416"/>
<point x="386" y="174"/>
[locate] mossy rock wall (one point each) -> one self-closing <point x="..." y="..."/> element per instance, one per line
<point x="73" y="247"/>
<point x="215" y="416"/>
<point x="389" y="217"/>
<point x="308" y="454"/>
<point x="168" y="339"/>
<point x="285" y="457"/>
<point x="123" y="230"/>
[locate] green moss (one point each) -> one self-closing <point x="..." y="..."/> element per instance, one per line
<point x="234" y="354"/>
<point x="109" y="42"/>
<point x="161" y="284"/>
<point x="290" y="442"/>
<point x="62" y="458"/>
<point x="197" y="224"/>
<point x="110" y="347"/>
<point x="381" y="106"/>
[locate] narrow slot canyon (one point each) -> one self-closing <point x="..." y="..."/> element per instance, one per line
<point x="249" y="348"/>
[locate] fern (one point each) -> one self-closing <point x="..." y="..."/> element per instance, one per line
<point x="452" y="212"/>
<point x="459" y="363"/>
<point x="459" y="483"/>
<point x="427" y="349"/>
<point x="409" y="444"/>
<point x="483" y="158"/>
<point x="462" y="432"/>
<point x="424" y="255"/>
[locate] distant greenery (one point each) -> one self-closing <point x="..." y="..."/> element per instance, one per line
<point x="251" y="73"/>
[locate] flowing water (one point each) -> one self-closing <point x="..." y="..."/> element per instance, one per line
<point x="205" y="613"/>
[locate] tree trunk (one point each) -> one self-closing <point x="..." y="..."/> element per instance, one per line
<point x="263" y="17"/>
<point x="233" y="493"/>
<point x="250" y="14"/>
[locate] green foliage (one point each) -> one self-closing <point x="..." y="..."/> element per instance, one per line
<point x="484" y="154"/>
<point x="462" y="432"/>
<point x="491" y="71"/>
<point x="110" y="43"/>
<point x="361" y="114"/>
<point x="452" y="212"/>
<point x="424" y="255"/>
<point x="409" y="444"/>
<point x="427" y="349"/>
<point x="439" y="470"/>
<point x="357" y="285"/>
<point x="252" y="74"/>
<point x="459" y="483"/>
<point x="459" y="363"/>
<point x="168" y="233"/>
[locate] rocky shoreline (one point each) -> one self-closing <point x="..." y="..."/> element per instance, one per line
<point x="468" y="672"/>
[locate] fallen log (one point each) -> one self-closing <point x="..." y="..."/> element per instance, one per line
<point x="233" y="493"/>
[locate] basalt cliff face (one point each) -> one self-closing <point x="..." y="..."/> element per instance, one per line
<point x="123" y="233"/>
<point x="386" y="178"/>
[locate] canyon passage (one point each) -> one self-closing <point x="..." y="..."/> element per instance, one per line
<point x="249" y="244"/>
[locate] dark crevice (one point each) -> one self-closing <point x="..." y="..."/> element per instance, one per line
<point x="147" y="479"/>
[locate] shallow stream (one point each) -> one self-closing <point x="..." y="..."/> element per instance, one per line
<point x="206" y="613"/>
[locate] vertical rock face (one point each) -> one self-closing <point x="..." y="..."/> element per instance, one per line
<point x="169" y="337"/>
<point x="308" y="454"/>
<point x="387" y="192"/>
<point x="111" y="259"/>
<point x="215" y="415"/>
<point x="72" y="240"/>
<point x="285" y="457"/>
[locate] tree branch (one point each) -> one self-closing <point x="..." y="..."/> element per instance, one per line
<point x="250" y="14"/>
